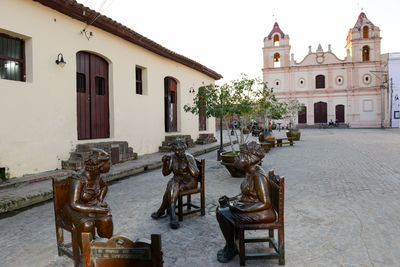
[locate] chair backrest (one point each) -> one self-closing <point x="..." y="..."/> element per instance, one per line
<point x="120" y="251"/>
<point x="60" y="194"/>
<point x="277" y="193"/>
<point x="201" y="166"/>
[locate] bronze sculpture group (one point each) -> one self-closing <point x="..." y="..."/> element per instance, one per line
<point x="86" y="207"/>
<point x="183" y="166"/>
<point x="87" y="211"/>
<point x="253" y="205"/>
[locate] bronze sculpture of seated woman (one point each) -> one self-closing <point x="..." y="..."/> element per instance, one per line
<point x="184" y="168"/>
<point x="253" y="205"/>
<point x="86" y="209"/>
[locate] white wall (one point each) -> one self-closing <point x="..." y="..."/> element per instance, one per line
<point x="39" y="117"/>
<point x="394" y="86"/>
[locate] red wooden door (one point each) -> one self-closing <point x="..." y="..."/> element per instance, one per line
<point x="202" y="115"/>
<point x="92" y="96"/>
<point x="339" y="112"/>
<point x="202" y="121"/>
<point x="302" y="116"/>
<point x="320" y="112"/>
<point x="170" y="102"/>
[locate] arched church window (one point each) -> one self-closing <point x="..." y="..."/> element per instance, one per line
<point x="365" y="53"/>
<point x="277" y="60"/>
<point x="320" y="81"/>
<point x="276" y="40"/>
<point x="365" y="32"/>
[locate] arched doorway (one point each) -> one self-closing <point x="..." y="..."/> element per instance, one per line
<point x="202" y="114"/>
<point x="320" y="112"/>
<point x="170" y="105"/>
<point x="92" y="96"/>
<point x="302" y="116"/>
<point x="339" y="113"/>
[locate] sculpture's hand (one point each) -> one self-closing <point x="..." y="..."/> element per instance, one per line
<point x="102" y="209"/>
<point x="166" y="158"/>
<point x="223" y="201"/>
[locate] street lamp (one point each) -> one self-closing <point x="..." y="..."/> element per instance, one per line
<point x="221" y="146"/>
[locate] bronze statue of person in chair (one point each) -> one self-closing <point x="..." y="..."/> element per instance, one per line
<point x="86" y="208"/>
<point x="184" y="168"/>
<point x="253" y="205"/>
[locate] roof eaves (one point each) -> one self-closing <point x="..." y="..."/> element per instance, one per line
<point x="80" y="12"/>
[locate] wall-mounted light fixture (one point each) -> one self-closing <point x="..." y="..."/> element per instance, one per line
<point x="60" y="60"/>
<point x="191" y="90"/>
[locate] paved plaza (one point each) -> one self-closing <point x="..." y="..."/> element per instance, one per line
<point x="342" y="207"/>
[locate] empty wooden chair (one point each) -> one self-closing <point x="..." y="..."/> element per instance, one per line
<point x="60" y="198"/>
<point x="120" y="251"/>
<point x="190" y="207"/>
<point x="277" y="200"/>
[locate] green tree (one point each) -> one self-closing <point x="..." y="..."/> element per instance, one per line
<point x="267" y="106"/>
<point x="293" y="106"/>
<point x="236" y="98"/>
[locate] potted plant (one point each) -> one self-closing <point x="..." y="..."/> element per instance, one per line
<point x="234" y="99"/>
<point x="292" y="108"/>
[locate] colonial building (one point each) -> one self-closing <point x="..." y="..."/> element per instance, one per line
<point x="69" y="75"/>
<point x="352" y="90"/>
<point x="394" y="89"/>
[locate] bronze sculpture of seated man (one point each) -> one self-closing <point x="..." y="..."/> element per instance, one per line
<point x="253" y="205"/>
<point x="86" y="208"/>
<point x="184" y="168"/>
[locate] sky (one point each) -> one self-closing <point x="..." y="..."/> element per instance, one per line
<point x="227" y="35"/>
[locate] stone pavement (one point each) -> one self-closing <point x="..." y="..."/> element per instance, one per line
<point x="341" y="208"/>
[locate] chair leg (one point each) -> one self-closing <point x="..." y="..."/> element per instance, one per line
<point x="242" y="248"/>
<point x="203" y="204"/>
<point x="281" y="246"/>
<point x="180" y="208"/>
<point x="60" y="239"/>
<point x="75" y="247"/>
<point x="189" y="202"/>
<point x="271" y="237"/>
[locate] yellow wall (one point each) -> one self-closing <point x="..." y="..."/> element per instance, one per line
<point x="39" y="117"/>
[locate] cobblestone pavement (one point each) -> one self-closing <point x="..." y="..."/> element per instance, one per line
<point x="341" y="209"/>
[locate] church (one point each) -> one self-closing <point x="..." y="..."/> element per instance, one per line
<point x="351" y="91"/>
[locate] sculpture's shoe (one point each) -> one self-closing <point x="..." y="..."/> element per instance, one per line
<point x="174" y="224"/>
<point x="157" y="215"/>
<point x="226" y="255"/>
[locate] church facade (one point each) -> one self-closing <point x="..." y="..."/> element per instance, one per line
<point x="352" y="90"/>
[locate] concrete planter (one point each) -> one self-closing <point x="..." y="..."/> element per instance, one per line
<point x="228" y="161"/>
<point x="294" y="133"/>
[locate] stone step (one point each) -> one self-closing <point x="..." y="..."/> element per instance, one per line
<point x="119" y="152"/>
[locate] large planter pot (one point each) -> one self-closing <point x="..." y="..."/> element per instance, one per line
<point x="294" y="134"/>
<point x="266" y="147"/>
<point x="271" y="140"/>
<point x="228" y="159"/>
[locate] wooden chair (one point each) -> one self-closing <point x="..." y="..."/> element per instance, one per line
<point x="277" y="201"/>
<point x="120" y="251"/>
<point x="60" y="199"/>
<point x="188" y="193"/>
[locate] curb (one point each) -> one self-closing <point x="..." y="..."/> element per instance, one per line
<point x="19" y="202"/>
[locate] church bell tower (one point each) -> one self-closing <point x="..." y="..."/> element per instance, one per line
<point x="276" y="49"/>
<point x="363" y="41"/>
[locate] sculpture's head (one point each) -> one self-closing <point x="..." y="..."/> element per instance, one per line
<point x="179" y="147"/>
<point x="98" y="159"/>
<point x="250" y="154"/>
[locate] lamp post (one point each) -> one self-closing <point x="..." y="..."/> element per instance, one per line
<point x="221" y="147"/>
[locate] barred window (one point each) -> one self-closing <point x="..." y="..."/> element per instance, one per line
<point x="139" y="81"/>
<point x="12" y="58"/>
